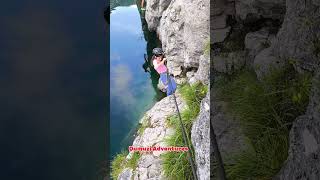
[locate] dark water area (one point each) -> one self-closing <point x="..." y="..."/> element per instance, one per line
<point x="133" y="82"/>
<point x="53" y="100"/>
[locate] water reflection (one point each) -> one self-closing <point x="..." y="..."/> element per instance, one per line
<point x="133" y="81"/>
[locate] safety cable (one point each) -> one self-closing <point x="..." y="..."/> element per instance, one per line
<point x="183" y="130"/>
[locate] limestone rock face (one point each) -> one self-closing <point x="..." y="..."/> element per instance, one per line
<point x="304" y="151"/>
<point x="200" y="137"/>
<point x="274" y="9"/>
<point x="184" y="31"/>
<point x="229" y="136"/>
<point x="220" y="10"/>
<point x="126" y="174"/>
<point x="149" y="164"/>
<point x="265" y="62"/>
<point x="203" y="71"/>
<point x="256" y="41"/>
<point x="154" y="10"/>
<point x="228" y="63"/>
<point x="299" y="37"/>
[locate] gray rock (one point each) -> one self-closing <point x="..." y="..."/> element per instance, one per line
<point x="200" y="137"/>
<point x="219" y="35"/>
<point x="183" y="34"/>
<point x="154" y="10"/>
<point x="227" y="129"/>
<point x="229" y="62"/>
<point x="265" y="62"/>
<point x="316" y="2"/>
<point x="219" y="22"/>
<point x="126" y="174"/>
<point x="149" y="164"/>
<point x="304" y="151"/>
<point x="193" y="80"/>
<point x="161" y="86"/>
<point x="274" y="9"/>
<point x="190" y="74"/>
<point x="300" y="30"/>
<point x="181" y="81"/>
<point x="256" y="41"/>
<point x="204" y="70"/>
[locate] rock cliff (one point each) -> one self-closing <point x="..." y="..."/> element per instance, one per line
<point x="184" y="38"/>
<point x="183" y="28"/>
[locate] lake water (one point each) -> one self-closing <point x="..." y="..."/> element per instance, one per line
<point x="132" y="82"/>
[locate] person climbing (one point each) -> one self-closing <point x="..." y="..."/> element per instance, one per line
<point x="159" y="65"/>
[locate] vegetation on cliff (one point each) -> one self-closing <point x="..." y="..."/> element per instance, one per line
<point x="266" y="110"/>
<point x="175" y="164"/>
<point x="119" y="163"/>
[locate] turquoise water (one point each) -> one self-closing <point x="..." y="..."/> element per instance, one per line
<point x="132" y="82"/>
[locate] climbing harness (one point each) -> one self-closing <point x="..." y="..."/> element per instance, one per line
<point x="184" y="134"/>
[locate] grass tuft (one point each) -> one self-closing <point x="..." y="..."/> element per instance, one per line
<point x="119" y="163"/>
<point x="266" y="110"/>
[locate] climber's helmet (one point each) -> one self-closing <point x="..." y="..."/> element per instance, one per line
<point x="157" y="51"/>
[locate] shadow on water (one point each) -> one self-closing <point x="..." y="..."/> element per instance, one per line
<point x="152" y="42"/>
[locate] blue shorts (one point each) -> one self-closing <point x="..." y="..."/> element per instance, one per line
<point x="170" y="85"/>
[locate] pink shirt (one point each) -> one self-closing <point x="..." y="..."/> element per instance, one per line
<point x="159" y="68"/>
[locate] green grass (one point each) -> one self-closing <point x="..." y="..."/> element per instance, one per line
<point x="119" y="163"/>
<point x="266" y="110"/>
<point x="132" y="163"/>
<point x="145" y="124"/>
<point x="176" y="164"/>
<point x="207" y="48"/>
